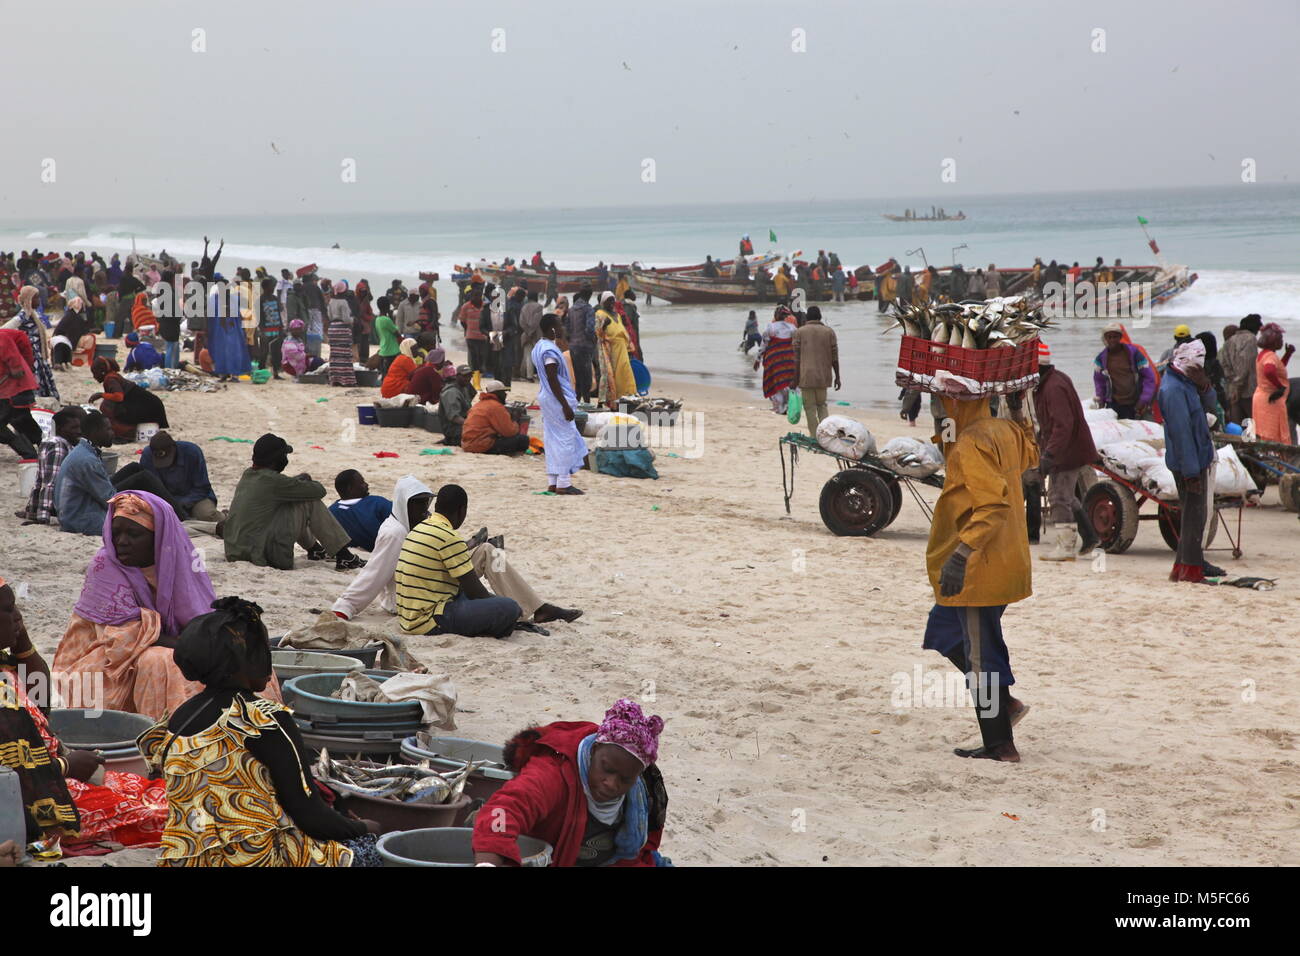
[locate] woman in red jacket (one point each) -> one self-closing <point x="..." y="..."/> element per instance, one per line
<point x="592" y="792"/>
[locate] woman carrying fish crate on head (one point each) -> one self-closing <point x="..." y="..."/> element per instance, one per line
<point x="593" y="792"/>
<point x="238" y="790"/>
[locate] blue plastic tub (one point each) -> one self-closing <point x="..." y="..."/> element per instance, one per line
<point x="642" y="376"/>
<point x="310" y="693"/>
<point x="366" y="415"/>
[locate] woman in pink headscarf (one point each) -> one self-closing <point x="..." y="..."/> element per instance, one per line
<point x="593" y="792"/>
<point x="340" y="316"/>
<point x="1271" y="387"/>
<point x="142" y="587"/>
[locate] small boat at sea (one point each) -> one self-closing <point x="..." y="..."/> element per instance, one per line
<point x="938" y="217"/>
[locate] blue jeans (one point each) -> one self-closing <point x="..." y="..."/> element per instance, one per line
<point x="490" y="617"/>
<point x="172" y="355"/>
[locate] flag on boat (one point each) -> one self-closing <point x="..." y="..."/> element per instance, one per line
<point x="771" y="236"/>
<point x="1141" y="220"/>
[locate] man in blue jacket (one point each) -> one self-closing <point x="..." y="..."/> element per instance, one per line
<point x="1186" y="394"/>
<point x="180" y="466"/>
<point x="82" y="486"/>
<point x="358" y="511"/>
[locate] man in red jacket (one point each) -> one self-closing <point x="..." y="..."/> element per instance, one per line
<point x="1066" y="453"/>
<point x="592" y="792"/>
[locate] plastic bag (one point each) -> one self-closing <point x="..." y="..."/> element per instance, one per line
<point x="632" y="463"/>
<point x="912" y="457"/>
<point x="794" y="407"/>
<point x="845" y="436"/>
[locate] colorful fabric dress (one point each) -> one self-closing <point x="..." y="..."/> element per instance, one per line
<point x="1271" y="422"/>
<point x="616" y="378"/>
<point x="45" y="795"/>
<point x="341" y="370"/>
<point x="778" y="359"/>
<point x="35" y="325"/>
<point x="293" y="357"/>
<point x="126" y="808"/>
<point x="223" y="807"/>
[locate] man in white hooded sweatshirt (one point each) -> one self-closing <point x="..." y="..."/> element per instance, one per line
<point x="412" y="500"/>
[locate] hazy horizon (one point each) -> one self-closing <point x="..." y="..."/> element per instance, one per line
<point x="765" y="102"/>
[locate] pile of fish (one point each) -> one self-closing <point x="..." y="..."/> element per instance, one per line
<point x="408" y="783"/>
<point x="997" y="323"/>
<point x="633" y="404"/>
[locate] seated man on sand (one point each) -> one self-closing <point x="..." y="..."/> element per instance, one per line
<point x="181" y="466"/>
<point x="357" y="510"/>
<point x="82" y="485"/>
<point x="67" y="434"/>
<point x="270" y="511"/>
<point x="454" y="403"/>
<point x="489" y="429"/>
<point x="411" y="502"/>
<point x="437" y="589"/>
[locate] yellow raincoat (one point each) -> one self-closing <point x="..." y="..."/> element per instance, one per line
<point x="982" y="507"/>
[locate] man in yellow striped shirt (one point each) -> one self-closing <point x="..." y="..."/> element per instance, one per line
<point x="438" y="591"/>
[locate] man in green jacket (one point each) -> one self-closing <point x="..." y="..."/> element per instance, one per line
<point x="270" y="511"/>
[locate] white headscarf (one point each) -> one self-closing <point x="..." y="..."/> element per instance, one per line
<point x="1189" y="355"/>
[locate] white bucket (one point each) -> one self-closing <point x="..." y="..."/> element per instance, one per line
<point x="146" y="430"/>
<point x="26" y="477"/>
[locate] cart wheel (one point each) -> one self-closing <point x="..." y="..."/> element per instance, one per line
<point x="855" y="502"/>
<point x="896" y="493"/>
<point x="1171" y="526"/>
<point x="1113" y="512"/>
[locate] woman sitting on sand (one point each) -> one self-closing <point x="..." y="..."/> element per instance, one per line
<point x="61" y="803"/>
<point x="592" y="792"/>
<point x="142" y="587"/>
<point x="398" y="379"/>
<point x="66" y="339"/>
<point x="238" y="790"/>
<point x="125" y="404"/>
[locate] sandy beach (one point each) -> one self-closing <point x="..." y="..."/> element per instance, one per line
<point x="1164" y="720"/>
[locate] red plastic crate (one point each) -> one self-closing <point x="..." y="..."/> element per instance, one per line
<point x="984" y="371"/>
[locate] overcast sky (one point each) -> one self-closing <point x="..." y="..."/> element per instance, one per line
<point x="139" y="124"/>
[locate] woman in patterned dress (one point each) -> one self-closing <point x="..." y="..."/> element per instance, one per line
<point x="340" y="336"/>
<point x="239" y="791"/>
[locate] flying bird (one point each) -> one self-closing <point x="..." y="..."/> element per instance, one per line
<point x="1174" y="70"/>
<point x="1017" y="112"/>
<point x="626" y="67"/>
<point x="275" y="149"/>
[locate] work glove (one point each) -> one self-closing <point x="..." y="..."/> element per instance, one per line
<point x="952" y="576"/>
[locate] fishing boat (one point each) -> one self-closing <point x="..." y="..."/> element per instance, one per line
<point x="936" y="218"/>
<point x="569" y="281"/>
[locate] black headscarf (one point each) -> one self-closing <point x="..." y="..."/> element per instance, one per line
<point x="214" y="647"/>
<point x="1211" y="346"/>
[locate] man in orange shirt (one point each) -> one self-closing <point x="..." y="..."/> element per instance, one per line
<point x="489" y="429"/>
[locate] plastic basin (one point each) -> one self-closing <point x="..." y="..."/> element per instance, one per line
<point x="107" y="730"/>
<point x="449" y="846"/>
<point x="291" y="663"/>
<point x="366" y="415"/>
<point x="366" y="655"/>
<point x="394" y="815"/>
<point x="311" y="693"/>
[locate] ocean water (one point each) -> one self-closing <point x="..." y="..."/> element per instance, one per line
<point x="1242" y="241"/>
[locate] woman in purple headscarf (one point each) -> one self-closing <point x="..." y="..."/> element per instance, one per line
<point x="142" y="587"/>
<point x="591" y="791"/>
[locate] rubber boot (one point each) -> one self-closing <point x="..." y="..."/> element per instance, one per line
<point x="1063" y="543"/>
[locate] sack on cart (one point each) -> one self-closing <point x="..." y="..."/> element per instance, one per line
<point x="844" y="436"/>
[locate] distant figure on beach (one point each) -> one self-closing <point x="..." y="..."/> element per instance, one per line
<point x="777" y="358"/>
<point x="750" y="336"/>
<point x="1238" y="361"/>
<point x="1122" y="378"/>
<point x="1186" y="395"/>
<point x="710" y="268"/>
<point x="1268" y="406"/>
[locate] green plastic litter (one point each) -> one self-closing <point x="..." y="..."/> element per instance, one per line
<point x="241" y="441"/>
<point x="654" y="507"/>
<point x="319" y="400"/>
<point x="551" y="493"/>
<point x="673" y="454"/>
<point x="435" y="451"/>
<point x="843" y="403"/>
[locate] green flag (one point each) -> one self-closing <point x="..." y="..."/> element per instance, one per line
<point x="1141" y="220"/>
<point x="771" y="236"/>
